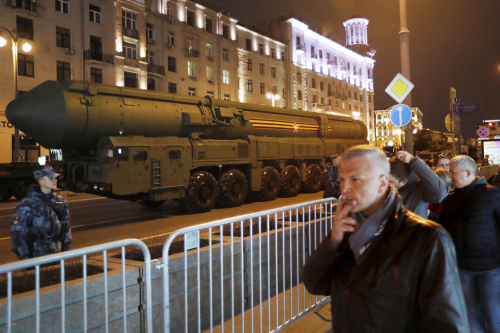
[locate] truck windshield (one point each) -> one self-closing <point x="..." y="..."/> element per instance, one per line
<point x="106" y="154"/>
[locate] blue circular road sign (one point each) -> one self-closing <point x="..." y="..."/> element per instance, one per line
<point x="400" y="115"/>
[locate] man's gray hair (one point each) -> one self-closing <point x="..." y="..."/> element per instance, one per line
<point x="466" y="163"/>
<point x="371" y="153"/>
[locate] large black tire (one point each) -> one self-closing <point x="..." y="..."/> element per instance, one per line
<point x="5" y="191"/>
<point x="21" y="188"/>
<point x="314" y="179"/>
<point x="233" y="188"/>
<point x="201" y="192"/>
<point x="290" y="181"/>
<point x="270" y="187"/>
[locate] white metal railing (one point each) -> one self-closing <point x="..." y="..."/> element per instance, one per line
<point x="49" y="306"/>
<point x="243" y="279"/>
<point x="247" y="275"/>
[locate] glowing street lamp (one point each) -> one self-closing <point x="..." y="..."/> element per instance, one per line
<point x="273" y="97"/>
<point x="26" y="48"/>
<point x="356" y="114"/>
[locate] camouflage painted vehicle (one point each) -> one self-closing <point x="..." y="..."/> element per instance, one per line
<point x="152" y="146"/>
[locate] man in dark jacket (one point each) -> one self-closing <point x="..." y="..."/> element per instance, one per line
<point x="420" y="186"/>
<point x="40" y="224"/>
<point x="386" y="269"/>
<point x="471" y="213"/>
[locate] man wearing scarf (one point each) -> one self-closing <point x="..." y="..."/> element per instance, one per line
<point x="385" y="268"/>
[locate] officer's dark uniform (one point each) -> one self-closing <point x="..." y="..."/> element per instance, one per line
<point x="40" y="224"/>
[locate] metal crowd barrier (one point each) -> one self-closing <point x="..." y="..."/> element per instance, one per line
<point x="243" y="273"/>
<point x="104" y="302"/>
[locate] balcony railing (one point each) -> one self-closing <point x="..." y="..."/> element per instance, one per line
<point x="194" y="78"/>
<point x="210" y="58"/>
<point x="329" y="63"/>
<point x="150" y="41"/>
<point x="156" y="69"/>
<point x="131" y="62"/>
<point x="104" y="57"/>
<point x="314" y="57"/>
<point x="131" y="33"/>
<point x="192" y="53"/>
<point x="300" y="48"/>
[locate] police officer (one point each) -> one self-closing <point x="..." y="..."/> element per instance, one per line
<point x="40" y="224"/>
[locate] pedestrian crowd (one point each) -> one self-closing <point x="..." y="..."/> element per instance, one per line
<point x="413" y="247"/>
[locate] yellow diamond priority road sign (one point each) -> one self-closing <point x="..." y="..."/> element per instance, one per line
<point x="399" y="88"/>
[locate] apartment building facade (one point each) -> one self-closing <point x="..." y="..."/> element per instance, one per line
<point x="176" y="46"/>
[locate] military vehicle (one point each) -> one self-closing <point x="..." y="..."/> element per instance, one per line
<point x="15" y="178"/>
<point x="152" y="146"/>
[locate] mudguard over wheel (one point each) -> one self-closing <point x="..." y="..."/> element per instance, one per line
<point x="290" y="181"/>
<point x="201" y="192"/>
<point x="233" y="188"/>
<point x="21" y="188"/>
<point x="314" y="179"/>
<point x="5" y="191"/>
<point x="270" y="187"/>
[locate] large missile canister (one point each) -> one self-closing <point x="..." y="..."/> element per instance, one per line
<point x="75" y="114"/>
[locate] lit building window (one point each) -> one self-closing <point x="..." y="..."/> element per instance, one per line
<point x="210" y="74"/>
<point x="249" y="85"/>
<point x="191" y="69"/>
<point x="171" y="38"/>
<point x="225" y="77"/>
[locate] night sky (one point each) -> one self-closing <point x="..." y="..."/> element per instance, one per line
<point x="453" y="43"/>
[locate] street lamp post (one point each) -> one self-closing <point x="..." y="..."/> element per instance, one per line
<point x="273" y="97"/>
<point x="404" y="41"/>
<point x="26" y="48"/>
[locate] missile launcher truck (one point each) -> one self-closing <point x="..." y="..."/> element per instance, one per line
<point x="144" y="145"/>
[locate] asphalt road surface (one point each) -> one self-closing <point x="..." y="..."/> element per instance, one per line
<point x="97" y="220"/>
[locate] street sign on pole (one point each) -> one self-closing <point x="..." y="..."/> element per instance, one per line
<point x="447" y="122"/>
<point x="483" y="132"/>
<point x="400" y="115"/>
<point x="469" y="108"/>
<point x="399" y="88"/>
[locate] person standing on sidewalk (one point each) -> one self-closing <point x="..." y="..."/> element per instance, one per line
<point x="40" y="224"/>
<point x="471" y="213"/>
<point x="385" y="268"/>
<point x="416" y="183"/>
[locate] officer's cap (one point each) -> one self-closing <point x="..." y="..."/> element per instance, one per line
<point x="45" y="172"/>
<point x="333" y="157"/>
